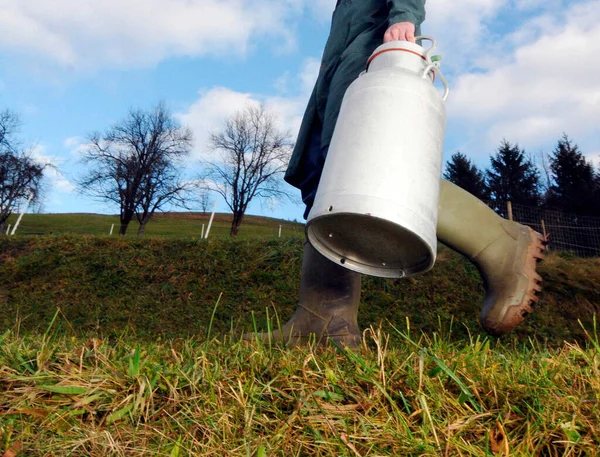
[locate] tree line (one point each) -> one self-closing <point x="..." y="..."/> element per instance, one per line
<point x="555" y="196"/>
<point x="564" y="180"/>
<point x="140" y="163"/>
<point x="20" y="174"/>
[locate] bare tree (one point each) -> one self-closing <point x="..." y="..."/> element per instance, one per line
<point x="163" y="184"/>
<point x="541" y="160"/>
<point x="20" y="174"/>
<point x="20" y="179"/>
<point x="9" y="123"/>
<point x="254" y="154"/>
<point x="135" y="164"/>
<point x="204" y="201"/>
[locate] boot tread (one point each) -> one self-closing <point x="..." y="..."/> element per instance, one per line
<point x="515" y="314"/>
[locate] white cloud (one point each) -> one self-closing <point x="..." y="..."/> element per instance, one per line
<point x="215" y="105"/>
<point x="465" y="17"/>
<point x="72" y="142"/>
<point x="289" y="110"/>
<point x="309" y="73"/>
<point x="128" y="33"/>
<point x="548" y="85"/>
<point x="459" y="27"/>
<point x="57" y="180"/>
<point x="208" y="113"/>
<point x="322" y="9"/>
<point x="77" y="146"/>
<point x="594" y="158"/>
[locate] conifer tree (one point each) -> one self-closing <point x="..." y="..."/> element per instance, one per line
<point x="575" y="185"/>
<point x="512" y="177"/>
<point x="461" y="171"/>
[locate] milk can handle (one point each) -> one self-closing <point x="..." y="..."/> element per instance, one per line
<point x="430" y="50"/>
<point x="436" y="70"/>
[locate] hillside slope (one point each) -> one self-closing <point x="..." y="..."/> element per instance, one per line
<point x="169" y="288"/>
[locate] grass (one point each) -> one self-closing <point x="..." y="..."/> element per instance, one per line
<point x="168" y="287"/>
<point x="113" y="346"/>
<point x="427" y="396"/>
<point x="161" y="225"/>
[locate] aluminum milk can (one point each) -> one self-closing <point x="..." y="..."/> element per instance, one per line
<point x="376" y="206"/>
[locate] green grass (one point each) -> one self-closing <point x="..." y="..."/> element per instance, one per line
<point x="160" y="286"/>
<point x="425" y="395"/>
<point x="162" y="225"/>
<point x="131" y="347"/>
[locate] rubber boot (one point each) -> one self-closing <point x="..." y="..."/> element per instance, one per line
<point x="505" y="253"/>
<point x="327" y="307"/>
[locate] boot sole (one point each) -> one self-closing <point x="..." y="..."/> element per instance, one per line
<point x="296" y="340"/>
<point x="517" y="313"/>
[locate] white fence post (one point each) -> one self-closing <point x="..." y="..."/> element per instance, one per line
<point x="211" y="218"/>
<point x="111" y="229"/>
<point x="202" y="235"/>
<point x="279" y="230"/>
<point x="21" y="215"/>
<point x="8" y="230"/>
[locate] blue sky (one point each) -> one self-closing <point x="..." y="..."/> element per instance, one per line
<point x="526" y="71"/>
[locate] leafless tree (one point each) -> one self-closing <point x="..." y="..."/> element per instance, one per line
<point x="20" y="174"/>
<point x="253" y="156"/>
<point x="20" y="179"/>
<point x="204" y="201"/>
<point x="9" y="123"/>
<point x="136" y="165"/>
<point x="542" y="162"/>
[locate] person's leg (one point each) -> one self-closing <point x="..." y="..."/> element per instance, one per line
<point x="329" y="294"/>
<point x="327" y="305"/>
<point x="311" y="167"/>
<point x="505" y="253"/>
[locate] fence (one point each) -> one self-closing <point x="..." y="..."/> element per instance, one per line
<point x="566" y="232"/>
<point x="163" y="225"/>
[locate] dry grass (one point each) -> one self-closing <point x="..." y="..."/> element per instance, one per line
<point x="166" y="225"/>
<point x="427" y="396"/>
<point x="168" y="287"/>
<point x="88" y="386"/>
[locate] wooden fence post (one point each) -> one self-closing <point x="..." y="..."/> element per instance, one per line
<point x="545" y="235"/>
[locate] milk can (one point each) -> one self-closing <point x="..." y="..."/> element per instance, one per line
<point x="375" y="210"/>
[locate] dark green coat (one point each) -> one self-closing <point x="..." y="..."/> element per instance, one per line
<point x="357" y="28"/>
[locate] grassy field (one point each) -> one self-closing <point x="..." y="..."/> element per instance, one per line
<point x="170" y="287"/>
<point x="162" y="225"/>
<point x="127" y="347"/>
<point x="184" y="397"/>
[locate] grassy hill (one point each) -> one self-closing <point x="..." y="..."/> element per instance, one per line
<point x="170" y="287"/>
<point x="104" y="352"/>
<point x="162" y="225"/>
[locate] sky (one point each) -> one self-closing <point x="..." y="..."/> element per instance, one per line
<point x="526" y="71"/>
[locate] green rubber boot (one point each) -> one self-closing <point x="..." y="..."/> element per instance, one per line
<point x="505" y="252"/>
<point x="327" y="307"/>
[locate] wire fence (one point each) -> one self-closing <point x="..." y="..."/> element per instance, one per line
<point x="193" y="225"/>
<point x="565" y="231"/>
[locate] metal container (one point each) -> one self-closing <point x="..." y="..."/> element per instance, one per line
<point x="375" y="210"/>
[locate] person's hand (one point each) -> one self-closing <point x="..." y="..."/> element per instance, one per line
<point x="404" y="31"/>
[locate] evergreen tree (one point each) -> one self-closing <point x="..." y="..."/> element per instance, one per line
<point x="512" y="177"/>
<point x="461" y="171"/>
<point x="575" y="185"/>
<point x="596" y="197"/>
